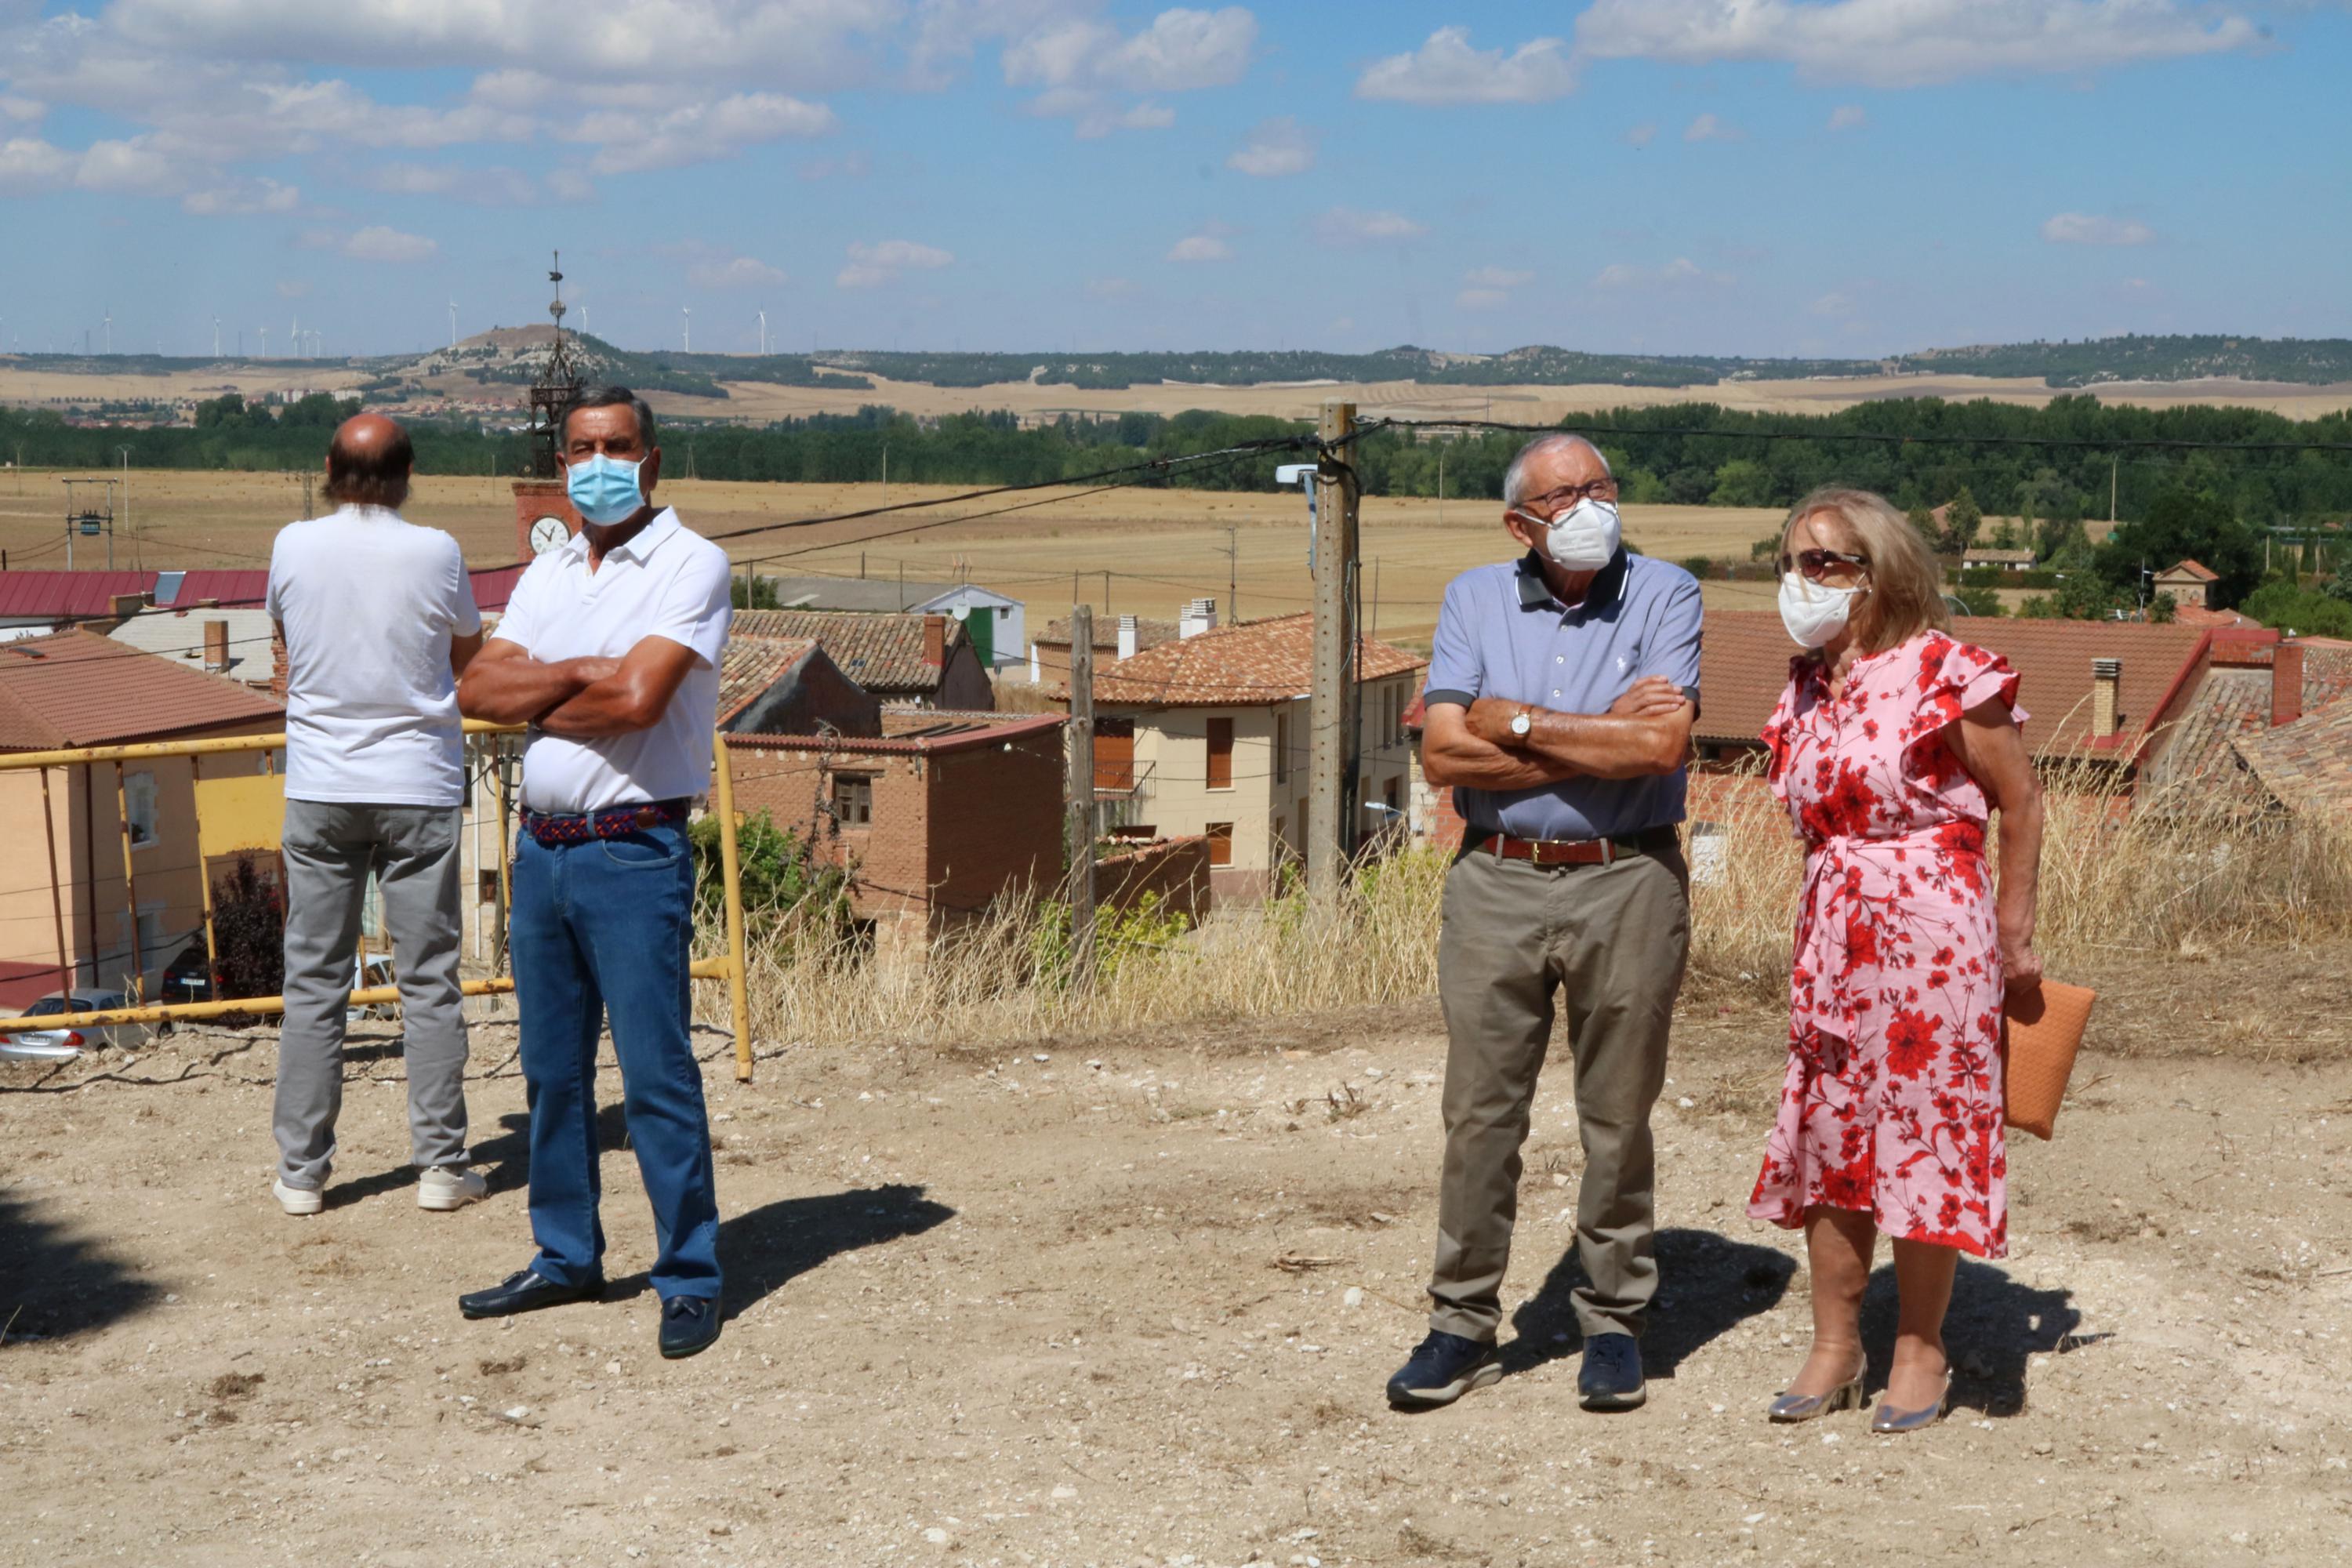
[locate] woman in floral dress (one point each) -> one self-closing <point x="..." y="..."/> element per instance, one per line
<point x="1891" y="746"/>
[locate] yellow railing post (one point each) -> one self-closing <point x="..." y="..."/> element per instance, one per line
<point x="722" y="795"/>
<point x="138" y="986"/>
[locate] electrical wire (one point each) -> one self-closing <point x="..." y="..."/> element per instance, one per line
<point x="1900" y="438"/>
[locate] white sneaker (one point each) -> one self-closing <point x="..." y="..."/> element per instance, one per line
<point x="449" y="1188"/>
<point x="298" y="1200"/>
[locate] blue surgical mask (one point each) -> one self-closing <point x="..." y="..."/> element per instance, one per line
<point x="604" y="489"/>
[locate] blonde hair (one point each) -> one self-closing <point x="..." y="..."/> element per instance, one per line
<point x="1907" y="581"/>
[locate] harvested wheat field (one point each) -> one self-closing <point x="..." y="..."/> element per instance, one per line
<point x="1161" y="547"/>
<point x="1130" y="1298"/>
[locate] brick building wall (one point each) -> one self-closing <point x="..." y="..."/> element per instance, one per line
<point x="994" y="818"/>
<point x="1176" y="869"/>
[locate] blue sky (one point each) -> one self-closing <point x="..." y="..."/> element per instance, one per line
<point x="1837" y="177"/>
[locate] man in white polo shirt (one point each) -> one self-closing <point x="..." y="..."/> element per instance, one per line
<point x="610" y="651"/>
<point x="378" y="619"/>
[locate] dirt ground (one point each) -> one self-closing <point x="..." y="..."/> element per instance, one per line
<point x="1131" y="1301"/>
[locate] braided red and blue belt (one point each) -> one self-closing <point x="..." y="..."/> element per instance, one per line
<point x="553" y="831"/>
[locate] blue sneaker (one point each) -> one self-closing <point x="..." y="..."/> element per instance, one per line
<point x="1443" y="1369"/>
<point x="1611" y="1378"/>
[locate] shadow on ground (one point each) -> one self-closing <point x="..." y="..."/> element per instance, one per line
<point x="764" y="1250"/>
<point x="55" y="1281"/>
<point x="1707" y="1286"/>
<point x="1994" y="1325"/>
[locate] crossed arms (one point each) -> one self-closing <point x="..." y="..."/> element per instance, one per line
<point x="580" y="699"/>
<point x="1646" y="731"/>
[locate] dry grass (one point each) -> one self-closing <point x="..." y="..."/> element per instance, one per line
<point x="2172" y="882"/>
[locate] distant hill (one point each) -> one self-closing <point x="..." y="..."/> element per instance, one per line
<point x="2305" y="361"/>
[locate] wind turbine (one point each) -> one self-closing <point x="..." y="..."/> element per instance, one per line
<point x="763" y="334"/>
<point x="294" y="338"/>
<point x="688" y="312"/>
<point x="583" y="321"/>
<point x="453" y="324"/>
<point x="264" y="342"/>
<point x="215" y="336"/>
<point x="110" y="332"/>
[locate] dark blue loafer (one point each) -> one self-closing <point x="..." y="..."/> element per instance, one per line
<point x="1443" y="1369"/>
<point x="1611" y="1378"/>
<point x="690" y="1326"/>
<point x="527" y="1292"/>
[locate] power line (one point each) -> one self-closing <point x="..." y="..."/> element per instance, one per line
<point x="1899" y="439"/>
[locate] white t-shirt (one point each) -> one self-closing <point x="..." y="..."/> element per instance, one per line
<point x="368" y="604"/>
<point x="666" y="582"/>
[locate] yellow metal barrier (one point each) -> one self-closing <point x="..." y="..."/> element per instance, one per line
<point x="729" y="967"/>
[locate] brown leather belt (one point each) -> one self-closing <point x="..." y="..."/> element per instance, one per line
<point x="1576" y="851"/>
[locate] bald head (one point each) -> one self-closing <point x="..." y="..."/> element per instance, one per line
<point x="369" y="461"/>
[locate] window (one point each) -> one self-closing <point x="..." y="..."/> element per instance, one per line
<point x="1221" y="844"/>
<point x="138" y="806"/>
<point x="1221" y="756"/>
<point x="852" y="800"/>
<point x="1115" y="753"/>
<point x="1281" y="745"/>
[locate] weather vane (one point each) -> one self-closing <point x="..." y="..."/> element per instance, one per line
<point x="557" y="388"/>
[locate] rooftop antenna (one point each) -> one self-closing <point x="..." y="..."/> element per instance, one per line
<point x="688" y="312"/>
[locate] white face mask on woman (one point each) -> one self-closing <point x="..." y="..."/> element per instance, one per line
<point x="1814" y="612"/>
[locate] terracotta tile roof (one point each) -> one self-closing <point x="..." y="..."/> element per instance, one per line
<point x="2199" y="616"/>
<point x="2305" y="765"/>
<point x="1148" y="632"/>
<point x="1257" y="661"/>
<point x="883" y="653"/>
<point x="77" y="689"/>
<point x="2196" y="569"/>
<point x="1745" y="664"/>
<point x="946" y="732"/>
<point x="752" y="665"/>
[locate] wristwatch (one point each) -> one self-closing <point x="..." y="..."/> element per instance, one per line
<point x="1523" y="721"/>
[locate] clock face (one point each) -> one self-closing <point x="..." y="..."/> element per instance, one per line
<point x="549" y="533"/>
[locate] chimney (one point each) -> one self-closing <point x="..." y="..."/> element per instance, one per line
<point x="1127" y="631"/>
<point x="217" y="646"/>
<point x="2106" y="691"/>
<point x="935" y="641"/>
<point x="1200" y="615"/>
<point x="2287" y="683"/>
<point x="129" y="605"/>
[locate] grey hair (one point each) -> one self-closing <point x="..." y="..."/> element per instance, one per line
<point x="1514" y="478"/>
<point x="615" y="397"/>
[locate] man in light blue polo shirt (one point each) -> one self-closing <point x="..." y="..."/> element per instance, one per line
<point x="1561" y="692"/>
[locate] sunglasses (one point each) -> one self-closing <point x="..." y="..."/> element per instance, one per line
<point x="1820" y="564"/>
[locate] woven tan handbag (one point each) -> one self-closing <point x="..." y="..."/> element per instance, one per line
<point x="2041" y="1028"/>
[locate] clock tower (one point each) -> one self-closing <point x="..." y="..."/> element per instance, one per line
<point x="543" y="516"/>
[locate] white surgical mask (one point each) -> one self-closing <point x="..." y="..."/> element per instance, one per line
<point x="1584" y="537"/>
<point x="1814" y="612"/>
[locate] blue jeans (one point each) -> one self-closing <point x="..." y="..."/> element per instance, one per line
<point x="598" y="928"/>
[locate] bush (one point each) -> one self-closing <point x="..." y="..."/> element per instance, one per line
<point x="1980" y="601"/>
<point x="786" y="893"/>
<point x="248" y="935"/>
<point x="1702" y="567"/>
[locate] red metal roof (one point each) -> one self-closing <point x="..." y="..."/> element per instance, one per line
<point x="494" y="585"/>
<point x="62" y="596"/>
<point x="76" y="688"/>
<point x="241" y="587"/>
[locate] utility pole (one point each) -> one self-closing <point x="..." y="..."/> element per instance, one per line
<point x="1081" y="791"/>
<point x="1330" y="834"/>
<point x="2113" y="467"/>
<point x="1232" y="577"/>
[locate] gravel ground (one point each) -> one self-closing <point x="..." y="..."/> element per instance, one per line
<point x="1124" y="1302"/>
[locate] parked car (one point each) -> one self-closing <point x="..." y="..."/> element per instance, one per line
<point x="59" y="1044"/>
<point x="188" y="977"/>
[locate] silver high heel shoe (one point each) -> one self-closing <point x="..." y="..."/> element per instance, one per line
<point x="1787" y="1409"/>
<point x="1888" y="1420"/>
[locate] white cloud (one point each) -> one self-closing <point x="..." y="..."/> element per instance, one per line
<point x="735" y="272"/>
<point x="243" y="198"/>
<point x="1200" y="247"/>
<point x="1082" y="64"/>
<point x="374" y="243"/>
<point x="1481" y="298"/>
<point x="1496" y="278"/>
<point x="630" y="142"/>
<point x="1707" y="128"/>
<point x="1447" y="69"/>
<point x="1642" y="135"/>
<point x="871" y="266"/>
<point x="28" y="163"/>
<point x="497" y="186"/>
<point x="24" y="111"/>
<point x="2091" y="228"/>
<point x="1348" y="227"/>
<point x="1849" y="117"/>
<point x="1907" y="43"/>
<point x="1275" y="148"/>
<point x="1682" y="272"/>
<point x="570" y="185"/>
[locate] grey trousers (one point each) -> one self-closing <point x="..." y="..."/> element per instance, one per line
<point x="1613" y="941"/>
<point x="330" y="847"/>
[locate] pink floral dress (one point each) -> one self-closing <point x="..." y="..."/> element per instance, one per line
<point x="1893" y="1103"/>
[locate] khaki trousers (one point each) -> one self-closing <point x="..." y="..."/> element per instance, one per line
<point x="1613" y="942"/>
